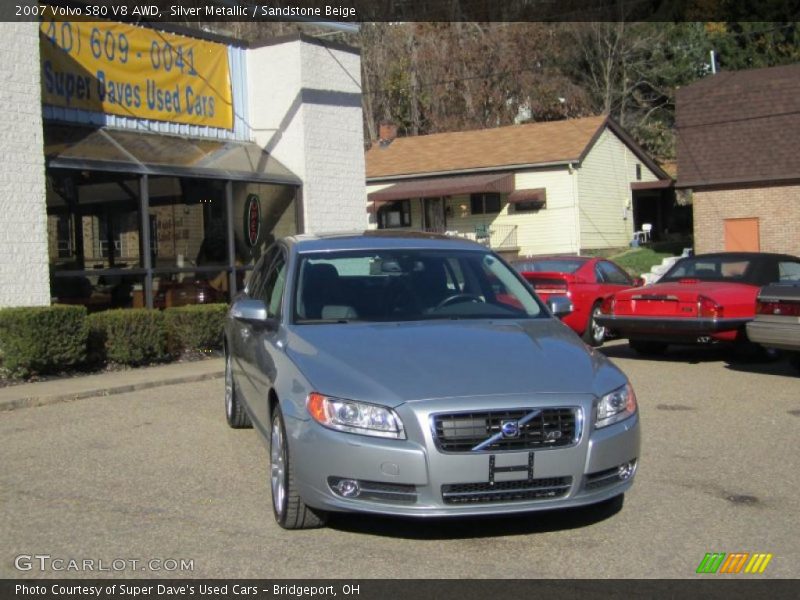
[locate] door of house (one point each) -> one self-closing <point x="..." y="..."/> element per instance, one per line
<point x="434" y="214"/>
<point x="741" y="235"/>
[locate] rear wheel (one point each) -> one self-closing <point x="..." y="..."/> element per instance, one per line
<point x="646" y="348"/>
<point x="234" y="411"/>
<point x="287" y="505"/>
<point x="794" y="360"/>
<point x="595" y="334"/>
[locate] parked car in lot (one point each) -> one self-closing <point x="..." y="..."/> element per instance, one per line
<point x="777" y="321"/>
<point x="701" y="299"/>
<point x="585" y="280"/>
<point x="418" y="375"/>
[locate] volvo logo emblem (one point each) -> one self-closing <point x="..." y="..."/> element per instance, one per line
<point x="509" y="429"/>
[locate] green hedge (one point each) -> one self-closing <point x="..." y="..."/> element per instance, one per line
<point x="128" y="336"/>
<point x="42" y="339"/>
<point x="195" y="328"/>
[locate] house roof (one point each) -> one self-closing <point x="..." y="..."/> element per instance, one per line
<point x="533" y="144"/>
<point x="739" y="127"/>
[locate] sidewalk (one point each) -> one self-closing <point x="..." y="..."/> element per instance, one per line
<point x="105" y="384"/>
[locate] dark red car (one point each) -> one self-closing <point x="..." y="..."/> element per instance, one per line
<point x="585" y="280"/>
<point x="701" y="299"/>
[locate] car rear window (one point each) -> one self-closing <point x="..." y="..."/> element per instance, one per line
<point x="710" y="268"/>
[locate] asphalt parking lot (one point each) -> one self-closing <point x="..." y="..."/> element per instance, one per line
<point x="158" y="474"/>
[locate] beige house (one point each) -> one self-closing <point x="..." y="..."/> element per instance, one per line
<point x="559" y="187"/>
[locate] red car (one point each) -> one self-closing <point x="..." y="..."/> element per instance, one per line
<point x="701" y="299"/>
<point x="585" y="280"/>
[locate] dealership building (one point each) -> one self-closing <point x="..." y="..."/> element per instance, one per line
<point x="146" y="166"/>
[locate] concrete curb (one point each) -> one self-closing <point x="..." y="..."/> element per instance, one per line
<point x="31" y="401"/>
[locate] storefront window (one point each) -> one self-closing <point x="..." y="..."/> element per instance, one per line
<point x="95" y="237"/>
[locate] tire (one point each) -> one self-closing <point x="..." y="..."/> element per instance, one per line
<point x="595" y="334"/>
<point x="648" y="348"/>
<point x="288" y="507"/>
<point x="235" y="413"/>
<point x="794" y="360"/>
<point x="752" y="352"/>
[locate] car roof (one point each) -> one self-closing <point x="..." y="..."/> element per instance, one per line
<point x="377" y="239"/>
<point x="744" y="255"/>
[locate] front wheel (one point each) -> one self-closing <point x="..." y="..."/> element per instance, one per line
<point x="595" y="334"/>
<point x="648" y="348"/>
<point x="287" y="505"/>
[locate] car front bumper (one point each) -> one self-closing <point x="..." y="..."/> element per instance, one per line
<point x="413" y="477"/>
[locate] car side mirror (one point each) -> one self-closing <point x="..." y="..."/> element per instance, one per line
<point x="560" y="306"/>
<point x="252" y="311"/>
<point x="638" y="281"/>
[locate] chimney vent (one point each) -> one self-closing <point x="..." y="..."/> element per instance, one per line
<point x="387" y="132"/>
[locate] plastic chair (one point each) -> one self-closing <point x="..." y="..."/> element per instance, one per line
<point x="647" y="229"/>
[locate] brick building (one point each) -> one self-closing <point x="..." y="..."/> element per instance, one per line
<point x="163" y="157"/>
<point x="739" y="159"/>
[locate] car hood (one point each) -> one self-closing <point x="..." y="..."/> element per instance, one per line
<point x="393" y="363"/>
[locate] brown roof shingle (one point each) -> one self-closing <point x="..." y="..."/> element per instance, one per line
<point x="739" y="126"/>
<point x="534" y="143"/>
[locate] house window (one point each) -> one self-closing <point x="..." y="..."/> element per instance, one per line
<point x="395" y="214"/>
<point x="484" y="204"/>
<point x="532" y="206"/>
<point x="638" y="172"/>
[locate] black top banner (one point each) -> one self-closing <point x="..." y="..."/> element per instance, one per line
<point x="383" y="589"/>
<point x="354" y="11"/>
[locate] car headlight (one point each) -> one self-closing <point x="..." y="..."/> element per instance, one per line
<point x="355" y="417"/>
<point x="616" y="406"/>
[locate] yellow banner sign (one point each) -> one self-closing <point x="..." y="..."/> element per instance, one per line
<point x="134" y="72"/>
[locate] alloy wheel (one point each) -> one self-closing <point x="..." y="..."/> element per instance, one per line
<point x="277" y="466"/>
<point x="229" y="387"/>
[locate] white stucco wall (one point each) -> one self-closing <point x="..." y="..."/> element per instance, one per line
<point x="604" y="187"/>
<point x="24" y="277"/>
<point x="305" y="109"/>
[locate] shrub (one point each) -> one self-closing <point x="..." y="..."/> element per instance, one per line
<point x="42" y="339"/>
<point x="196" y="327"/>
<point x="128" y="336"/>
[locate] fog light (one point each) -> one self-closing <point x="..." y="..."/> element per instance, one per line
<point x="626" y="470"/>
<point x="347" y="488"/>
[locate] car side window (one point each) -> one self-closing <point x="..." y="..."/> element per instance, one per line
<point x="256" y="279"/>
<point x="274" y="282"/>
<point x="613" y="274"/>
<point x="788" y="271"/>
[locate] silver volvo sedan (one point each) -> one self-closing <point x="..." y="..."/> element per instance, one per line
<point x="419" y="375"/>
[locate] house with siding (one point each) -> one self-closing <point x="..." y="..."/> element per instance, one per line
<point x="739" y="159"/>
<point x="561" y="187"/>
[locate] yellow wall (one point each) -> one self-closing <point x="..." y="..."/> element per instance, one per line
<point x="604" y="185"/>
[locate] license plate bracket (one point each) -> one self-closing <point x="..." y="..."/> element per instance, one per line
<point x="524" y="468"/>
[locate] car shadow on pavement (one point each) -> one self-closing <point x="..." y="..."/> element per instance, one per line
<point x="476" y="527"/>
<point x="695" y="355"/>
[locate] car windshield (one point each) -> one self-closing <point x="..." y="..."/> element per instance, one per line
<point x="709" y="268"/>
<point x="409" y="285"/>
<point x="556" y="265"/>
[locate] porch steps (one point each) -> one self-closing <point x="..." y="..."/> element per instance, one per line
<point x="658" y="270"/>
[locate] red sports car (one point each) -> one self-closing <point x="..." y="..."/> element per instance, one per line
<point x="701" y="299"/>
<point x="585" y="280"/>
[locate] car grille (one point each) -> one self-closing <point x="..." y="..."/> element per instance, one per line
<point x="461" y="432"/>
<point x="506" y="491"/>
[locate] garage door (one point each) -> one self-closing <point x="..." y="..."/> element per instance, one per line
<point x="741" y="235"/>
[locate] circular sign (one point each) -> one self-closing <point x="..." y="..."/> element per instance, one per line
<point x="252" y="219"/>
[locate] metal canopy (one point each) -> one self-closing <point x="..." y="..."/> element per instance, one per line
<point x="113" y="150"/>
<point x="445" y="186"/>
